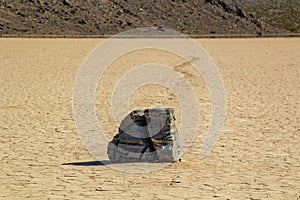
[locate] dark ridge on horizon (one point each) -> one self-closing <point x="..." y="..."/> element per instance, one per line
<point x="206" y="18"/>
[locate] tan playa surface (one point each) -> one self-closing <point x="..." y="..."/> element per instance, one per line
<point x="256" y="157"/>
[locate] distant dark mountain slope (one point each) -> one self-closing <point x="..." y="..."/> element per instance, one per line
<point x="89" y="17"/>
<point x="282" y="14"/>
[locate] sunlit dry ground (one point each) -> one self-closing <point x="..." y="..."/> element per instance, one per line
<point x="256" y="157"/>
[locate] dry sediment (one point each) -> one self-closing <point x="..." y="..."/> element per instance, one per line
<point x="256" y="157"/>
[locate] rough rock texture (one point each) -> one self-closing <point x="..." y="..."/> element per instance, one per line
<point x="91" y="17"/>
<point x="146" y="136"/>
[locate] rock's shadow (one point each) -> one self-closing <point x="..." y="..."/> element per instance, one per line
<point x="107" y="162"/>
<point x="89" y="163"/>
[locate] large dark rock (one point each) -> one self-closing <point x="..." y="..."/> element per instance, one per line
<point x="146" y="136"/>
